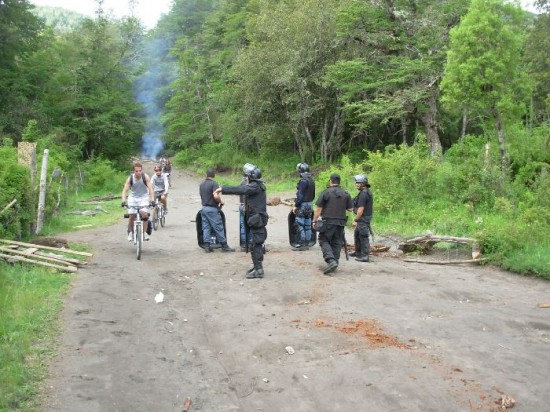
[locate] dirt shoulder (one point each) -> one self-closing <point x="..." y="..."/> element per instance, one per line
<point x="382" y="336"/>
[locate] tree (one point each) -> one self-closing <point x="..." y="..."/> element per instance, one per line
<point x="277" y="86"/>
<point x="537" y="54"/>
<point x="483" y="71"/>
<point x="92" y="92"/>
<point x="397" y="53"/>
<point x="19" y="37"/>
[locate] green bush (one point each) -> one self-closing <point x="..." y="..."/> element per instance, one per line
<point x="16" y="221"/>
<point x="101" y="176"/>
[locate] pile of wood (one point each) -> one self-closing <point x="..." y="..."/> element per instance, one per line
<point x="63" y="259"/>
<point x="424" y="245"/>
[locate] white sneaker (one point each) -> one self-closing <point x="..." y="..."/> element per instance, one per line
<point x="130" y="236"/>
<point x="145" y="236"/>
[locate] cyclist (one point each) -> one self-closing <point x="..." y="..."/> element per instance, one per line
<point x="160" y="186"/>
<point x="141" y="195"/>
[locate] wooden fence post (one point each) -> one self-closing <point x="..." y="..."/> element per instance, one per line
<point x="42" y="194"/>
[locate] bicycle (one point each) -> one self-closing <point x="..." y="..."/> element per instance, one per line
<point x="139" y="236"/>
<point x="159" y="214"/>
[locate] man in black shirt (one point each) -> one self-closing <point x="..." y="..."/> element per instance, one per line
<point x="256" y="216"/>
<point x="362" y="208"/>
<point x="332" y="205"/>
<point x="210" y="213"/>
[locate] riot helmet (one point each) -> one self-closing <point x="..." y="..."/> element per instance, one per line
<point x="361" y="179"/>
<point x="302" y="167"/>
<point x="252" y="172"/>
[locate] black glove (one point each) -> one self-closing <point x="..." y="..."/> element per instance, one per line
<point x="124" y="204"/>
<point x="152" y="203"/>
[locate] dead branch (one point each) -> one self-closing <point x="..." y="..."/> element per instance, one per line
<point x="435" y="239"/>
<point x="288" y="202"/>
<point x="425" y="243"/>
<point x="10" y="204"/>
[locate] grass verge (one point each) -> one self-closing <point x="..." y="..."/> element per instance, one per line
<point x="30" y="301"/>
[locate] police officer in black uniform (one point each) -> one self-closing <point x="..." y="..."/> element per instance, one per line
<point x="331" y="208"/>
<point x="303" y="207"/>
<point x="362" y="208"/>
<point x="256" y="216"/>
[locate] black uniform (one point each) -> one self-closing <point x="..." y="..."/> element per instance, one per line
<point x="256" y="217"/>
<point x="361" y="234"/>
<point x="334" y="201"/>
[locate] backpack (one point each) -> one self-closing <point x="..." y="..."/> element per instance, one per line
<point x="132" y="179"/>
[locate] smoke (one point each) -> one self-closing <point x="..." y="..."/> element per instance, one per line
<point x="152" y="91"/>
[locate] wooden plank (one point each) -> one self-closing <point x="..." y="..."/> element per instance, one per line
<point x="10" y="258"/>
<point x="28" y="251"/>
<point x="59" y="249"/>
<point x="544" y="305"/>
<point x="25" y="253"/>
<point x="61" y="258"/>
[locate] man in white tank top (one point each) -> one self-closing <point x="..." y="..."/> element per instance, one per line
<point x="141" y="195"/>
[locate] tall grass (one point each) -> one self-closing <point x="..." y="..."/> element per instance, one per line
<point x="30" y="300"/>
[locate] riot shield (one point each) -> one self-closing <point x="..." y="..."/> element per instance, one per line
<point x="294" y="233"/>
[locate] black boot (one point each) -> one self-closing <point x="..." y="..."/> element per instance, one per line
<point x="258" y="270"/>
<point x="365" y="250"/>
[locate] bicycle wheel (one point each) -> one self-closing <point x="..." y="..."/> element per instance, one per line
<point x="156" y="218"/>
<point x="162" y="216"/>
<point x="139" y="238"/>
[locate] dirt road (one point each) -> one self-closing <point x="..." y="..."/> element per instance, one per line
<point x="383" y="336"/>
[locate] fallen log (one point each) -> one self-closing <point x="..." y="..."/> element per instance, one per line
<point x="110" y="196"/>
<point x="445" y="262"/>
<point x="70" y="251"/>
<point x="424" y="244"/>
<point x="12" y="258"/>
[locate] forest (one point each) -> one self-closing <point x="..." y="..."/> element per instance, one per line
<point x="445" y="105"/>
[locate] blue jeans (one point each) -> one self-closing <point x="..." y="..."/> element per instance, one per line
<point x="211" y="219"/>
<point x="303" y="220"/>
<point x="242" y="225"/>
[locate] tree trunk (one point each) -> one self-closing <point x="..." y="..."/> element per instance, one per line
<point x="464" y="124"/>
<point x="430" y="123"/>
<point x="501" y="142"/>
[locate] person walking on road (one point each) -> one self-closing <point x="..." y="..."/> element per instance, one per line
<point x="256" y="216"/>
<point x="303" y="207"/>
<point x="141" y="195"/>
<point x="210" y="213"/>
<point x="330" y="220"/>
<point x="362" y="208"/>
